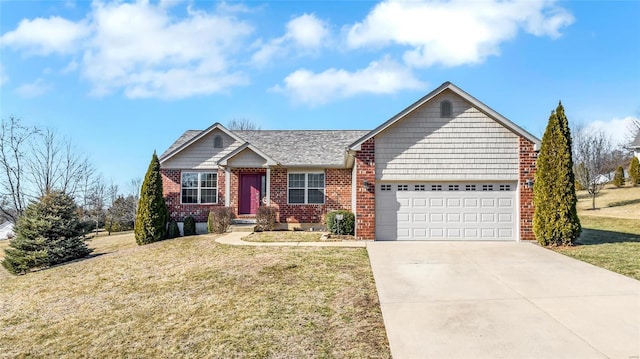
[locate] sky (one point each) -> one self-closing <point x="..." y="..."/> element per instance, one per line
<point x="122" y="79"/>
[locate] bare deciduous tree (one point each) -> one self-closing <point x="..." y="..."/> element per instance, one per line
<point x="592" y="155"/>
<point x="14" y="145"/>
<point x="34" y="162"/>
<point x="242" y="124"/>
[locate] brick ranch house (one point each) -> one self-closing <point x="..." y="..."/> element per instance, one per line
<point x="446" y="167"/>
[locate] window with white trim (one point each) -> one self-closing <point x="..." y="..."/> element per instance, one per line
<point x="306" y="188"/>
<point x="199" y="188"/>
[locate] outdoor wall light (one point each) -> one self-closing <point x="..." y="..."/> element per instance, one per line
<point x="366" y="184"/>
<point x="529" y="183"/>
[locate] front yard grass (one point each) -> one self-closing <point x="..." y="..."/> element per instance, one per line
<point x="610" y="243"/>
<point x="194" y="297"/>
<point x="283" y="236"/>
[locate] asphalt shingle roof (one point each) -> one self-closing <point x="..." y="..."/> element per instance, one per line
<point x="293" y="147"/>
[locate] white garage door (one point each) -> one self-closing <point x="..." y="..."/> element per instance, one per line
<point x="445" y="211"/>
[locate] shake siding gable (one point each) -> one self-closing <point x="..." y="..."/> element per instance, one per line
<point x="247" y="158"/>
<point x="467" y="146"/>
<point x="201" y="154"/>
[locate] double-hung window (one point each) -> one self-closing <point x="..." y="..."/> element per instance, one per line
<point x="199" y="187"/>
<point x="306" y="188"/>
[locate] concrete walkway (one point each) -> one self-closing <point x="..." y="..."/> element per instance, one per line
<point x="502" y="300"/>
<point x="235" y="238"/>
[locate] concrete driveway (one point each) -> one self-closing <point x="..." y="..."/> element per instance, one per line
<point x="502" y="300"/>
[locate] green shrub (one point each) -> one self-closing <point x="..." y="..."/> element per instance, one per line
<point x="48" y="233"/>
<point x="189" y="226"/>
<point x="152" y="215"/>
<point x="634" y="171"/>
<point x="266" y="218"/>
<point x="618" y="178"/>
<point x="220" y="220"/>
<point x="345" y="226"/>
<point x="173" y="231"/>
<point x="555" y="218"/>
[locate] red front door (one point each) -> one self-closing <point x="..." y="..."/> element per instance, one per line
<point x="249" y="193"/>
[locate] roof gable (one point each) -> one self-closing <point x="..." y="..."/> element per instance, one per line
<point x="447" y="86"/>
<point x="192" y="136"/>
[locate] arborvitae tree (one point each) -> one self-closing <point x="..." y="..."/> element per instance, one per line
<point x="47" y="233"/>
<point x="634" y="171"/>
<point x="555" y="219"/>
<point x="152" y="216"/>
<point x="618" y="178"/>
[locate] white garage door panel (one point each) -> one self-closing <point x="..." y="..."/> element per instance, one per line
<point x="440" y="211"/>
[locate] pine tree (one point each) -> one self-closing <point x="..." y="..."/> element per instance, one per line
<point x="555" y="218"/>
<point x="152" y="216"/>
<point x="634" y="171"/>
<point x="618" y="178"/>
<point x="47" y="233"/>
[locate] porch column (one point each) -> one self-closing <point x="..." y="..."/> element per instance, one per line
<point x="227" y="187"/>
<point x="268" y="194"/>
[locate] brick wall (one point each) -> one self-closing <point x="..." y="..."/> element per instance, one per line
<point x="527" y="171"/>
<point x="337" y="196"/>
<point x="365" y="197"/>
<point x="171" y="192"/>
<point x="337" y="190"/>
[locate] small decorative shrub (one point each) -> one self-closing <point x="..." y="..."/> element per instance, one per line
<point x="266" y="218"/>
<point x="618" y="178"/>
<point x="344" y="226"/>
<point x="173" y="231"/>
<point x="189" y="226"/>
<point x="220" y="220"/>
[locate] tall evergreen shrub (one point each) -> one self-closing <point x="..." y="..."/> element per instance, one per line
<point x="634" y="171"/>
<point x="618" y="178"/>
<point x="152" y="216"/>
<point x="48" y="233"/>
<point x="555" y="219"/>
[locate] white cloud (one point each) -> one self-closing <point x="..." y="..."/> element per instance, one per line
<point x="34" y="89"/>
<point x="42" y="36"/>
<point x="305" y="34"/>
<point x="307" y="31"/>
<point x="380" y="77"/>
<point x="139" y="48"/>
<point x="457" y="32"/>
<point x="617" y="129"/>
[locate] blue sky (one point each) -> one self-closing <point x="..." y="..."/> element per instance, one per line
<point x="123" y="79"/>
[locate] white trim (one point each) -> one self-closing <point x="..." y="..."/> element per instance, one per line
<point x="306" y="187"/>
<point x="518" y="215"/>
<point x="268" y="185"/>
<point x="199" y="188"/>
<point x="225" y="160"/>
<point x="227" y="187"/>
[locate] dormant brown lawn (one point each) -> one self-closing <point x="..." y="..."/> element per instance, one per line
<point x="193" y="297"/>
